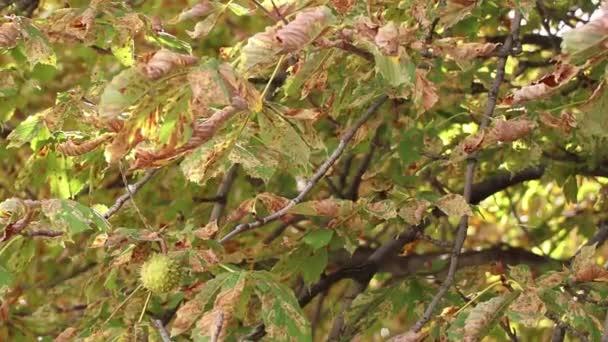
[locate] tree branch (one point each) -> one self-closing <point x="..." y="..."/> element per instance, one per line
<point x="315" y="178"/>
<point x="222" y="193"/>
<point x="132" y="189"/>
<point x="470" y="171"/>
<point x="164" y="334"/>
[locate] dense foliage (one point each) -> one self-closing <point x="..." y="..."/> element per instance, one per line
<point x="303" y="170"/>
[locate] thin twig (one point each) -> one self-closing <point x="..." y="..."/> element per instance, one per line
<point x="217" y="326"/>
<point x="43" y="233"/>
<point x="353" y="191"/>
<point x="132" y="190"/>
<point x="222" y="193"/>
<point x="520" y="223"/>
<point x="509" y="331"/>
<point x="162" y="332"/>
<point x="268" y="13"/>
<point x="320" y="173"/>
<point x="469" y="177"/>
<point x="126" y="184"/>
<point x="542" y="11"/>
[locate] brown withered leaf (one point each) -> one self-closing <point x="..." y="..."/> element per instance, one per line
<point x="413" y="212"/>
<point x="425" y="92"/>
<point x="365" y="28"/>
<point x="240" y="87"/>
<point x="261" y="50"/>
<point x="565" y="122"/>
<point x="455" y="11"/>
<point x="316" y="82"/>
<point x="164" y="61"/>
<point x="273" y="202"/>
<point x="208" y="231"/>
<point x="186" y="315"/>
<point x="544" y="86"/>
<point x="418" y="11"/>
<point x="206" y="92"/>
<point x="67" y="335"/>
<point x="454" y="205"/>
<point x="306" y="27"/>
<point x="245" y="208"/>
<point x="410" y="337"/>
<point x="216" y="321"/>
<point x="387" y="39"/>
<point x="474" y="142"/>
<point x="461" y="51"/>
<point x="303" y="114"/>
<point x="510" y="130"/>
<point x="343" y="6"/>
<point x="72" y="148"/>
<point x="9" y="34"/>
<point x="585" y="267"/>
<point x="203" y="129"/>
<point x="201" y="9"/>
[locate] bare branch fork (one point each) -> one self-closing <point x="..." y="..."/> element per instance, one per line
<point x="315" y="178"/>
<point x="469" y="176"/>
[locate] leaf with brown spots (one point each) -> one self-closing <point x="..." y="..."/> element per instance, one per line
<point x="585" y="267"/>
<point x="330" y="207"/>
<point x="454" y="205"/>
<point x="413" y="212"/>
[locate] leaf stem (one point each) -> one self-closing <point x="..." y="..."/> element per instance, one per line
<point x="122" y="304"/>
<point x="143" y="310"/>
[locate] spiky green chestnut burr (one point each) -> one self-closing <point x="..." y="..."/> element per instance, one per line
<point x="160" y="274"/>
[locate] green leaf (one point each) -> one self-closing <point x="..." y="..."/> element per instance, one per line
<point x="280" y="136"/>
<point x="6" y="278"/>
<point x="124" y="51"/>
<point x="37" y="48"/>
<point x="410" y="145"/>
<point x="282" y="316"/>
<point x="237" y="9"/>
<point x="571" y="189"/>
<point x="206" y="162"/>
<point x="303" y="261"/>
<point x="29" y="130"/>
<point x="72" y="217"/>
<point x="123" y="91"/>
<point x="396" y="70"/>
<point x="171" y="42"/>
<point x="484" y="316"/>
<point x="377" y="305"/>
<point x="318" y="238"/>
<point x="257" y="161"/>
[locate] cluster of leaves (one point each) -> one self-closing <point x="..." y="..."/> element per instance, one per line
<point x="291" y="151"/>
